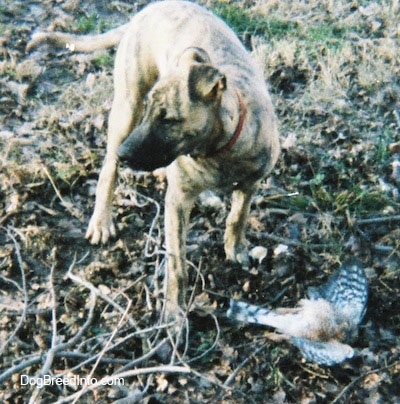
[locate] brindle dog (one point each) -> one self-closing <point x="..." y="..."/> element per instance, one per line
<point x="189" y="97"/>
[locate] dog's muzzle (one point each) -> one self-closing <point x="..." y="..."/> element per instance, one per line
<point x="141" y="151"/>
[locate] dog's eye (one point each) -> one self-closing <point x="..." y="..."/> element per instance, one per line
<point x="163" y="114"/>
<point x="172" y="121"/>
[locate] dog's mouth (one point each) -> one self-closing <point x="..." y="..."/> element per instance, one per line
<point x="146" y="163"/>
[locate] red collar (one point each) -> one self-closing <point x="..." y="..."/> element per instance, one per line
<point x="238" y="129"/>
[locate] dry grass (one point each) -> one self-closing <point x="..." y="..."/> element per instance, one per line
<point x="72" y="309"/>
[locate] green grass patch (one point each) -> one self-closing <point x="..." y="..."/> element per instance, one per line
<point x="3" y="27"/>
<point x="382" y="155"/>
<point x="361" y="200"/>
<point x="103" y="61"/>
<point x="332" y="36"/>
<point x="90" y="23"/>
<point x="357" y="199"/>
<point x="243" y="22"/>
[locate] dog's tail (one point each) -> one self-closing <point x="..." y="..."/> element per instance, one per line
<point x="78" y="43"/>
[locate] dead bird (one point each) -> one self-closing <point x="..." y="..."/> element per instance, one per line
<point x="322" y="325"/>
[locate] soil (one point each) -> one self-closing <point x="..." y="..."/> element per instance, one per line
<point x="72" y="309"/>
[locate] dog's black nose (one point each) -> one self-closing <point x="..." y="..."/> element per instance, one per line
<point x="146" y="151"/>
<point x="140" y="156"/>
<point x="123" y="153"/>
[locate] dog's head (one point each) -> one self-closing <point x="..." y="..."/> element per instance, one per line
<point x="180" y="114"/>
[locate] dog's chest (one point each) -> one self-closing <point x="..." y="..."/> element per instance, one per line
<point x="223" y="174"/>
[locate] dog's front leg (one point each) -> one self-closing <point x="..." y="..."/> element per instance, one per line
<point x="101" y="225"/>
<point x="234" y="239"/>
<point x="120" y="123"/>
<point x="178" y="205"/>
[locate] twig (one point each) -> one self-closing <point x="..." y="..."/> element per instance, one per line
<point x="5" y="217"/>
<point x="67" y="205"/>
<point x="54" y="347"/>
<point x="79" y="355"/>
<point x="17" y="368"/>
<point x="144" y="357"/>
<point x="126" y="338"/>
<point x="288" y="241"/>
<point x="211" y="348"/>
<point x="96" y="292"/>
<point x="356" y="380"/>
<point x="184" y="324"/>
<point x="85" y="326"/>
<point x="23" y="290"/>
<point x="232" y="377"/>
<point x="67" y="354"/>
<point x="280" y="195"/>
<point x="130" y="373"/>
<point x="191" y="300"/>
<point x="156" y="251"/>
<point x="157" y="289"/>
<point x="50" y="356"/>
<point x="381" y="219"/>
<point x="87" y="323"/>
<point x="133" y="194"/>
<point x="15" y="284"/>
<point x="105" y="348"/>
<point x="383" y="249"/>
<point x="211" y="379"/>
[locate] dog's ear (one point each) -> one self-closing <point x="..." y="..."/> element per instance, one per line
<point x="192" y="56"/>
<point x="206" y="83"/>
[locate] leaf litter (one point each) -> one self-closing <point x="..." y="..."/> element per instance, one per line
<point x="72" y="309"/>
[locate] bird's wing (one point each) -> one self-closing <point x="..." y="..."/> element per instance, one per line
<point x="323" y="353"/>
<point x="347" y="291"/>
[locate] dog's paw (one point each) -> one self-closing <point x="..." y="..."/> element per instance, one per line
<point x="239" y="256"/>
<point x="174" y="316"/>
<point x="100" y="229"/>
<point x="175" y="328"/>
<point x="243" y="259"/>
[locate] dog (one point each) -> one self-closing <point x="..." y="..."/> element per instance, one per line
<point x="187" y="96"/>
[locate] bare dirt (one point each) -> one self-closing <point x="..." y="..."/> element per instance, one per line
<point x="71" y="309"/>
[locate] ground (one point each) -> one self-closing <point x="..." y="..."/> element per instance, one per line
<point x="72" y="309"/>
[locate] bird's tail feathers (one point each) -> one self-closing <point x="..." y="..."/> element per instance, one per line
<point x="248" y="313"/>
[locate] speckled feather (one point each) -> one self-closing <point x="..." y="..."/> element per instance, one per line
<point x="321" y="325"/>
<point x="347" y="291"/>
